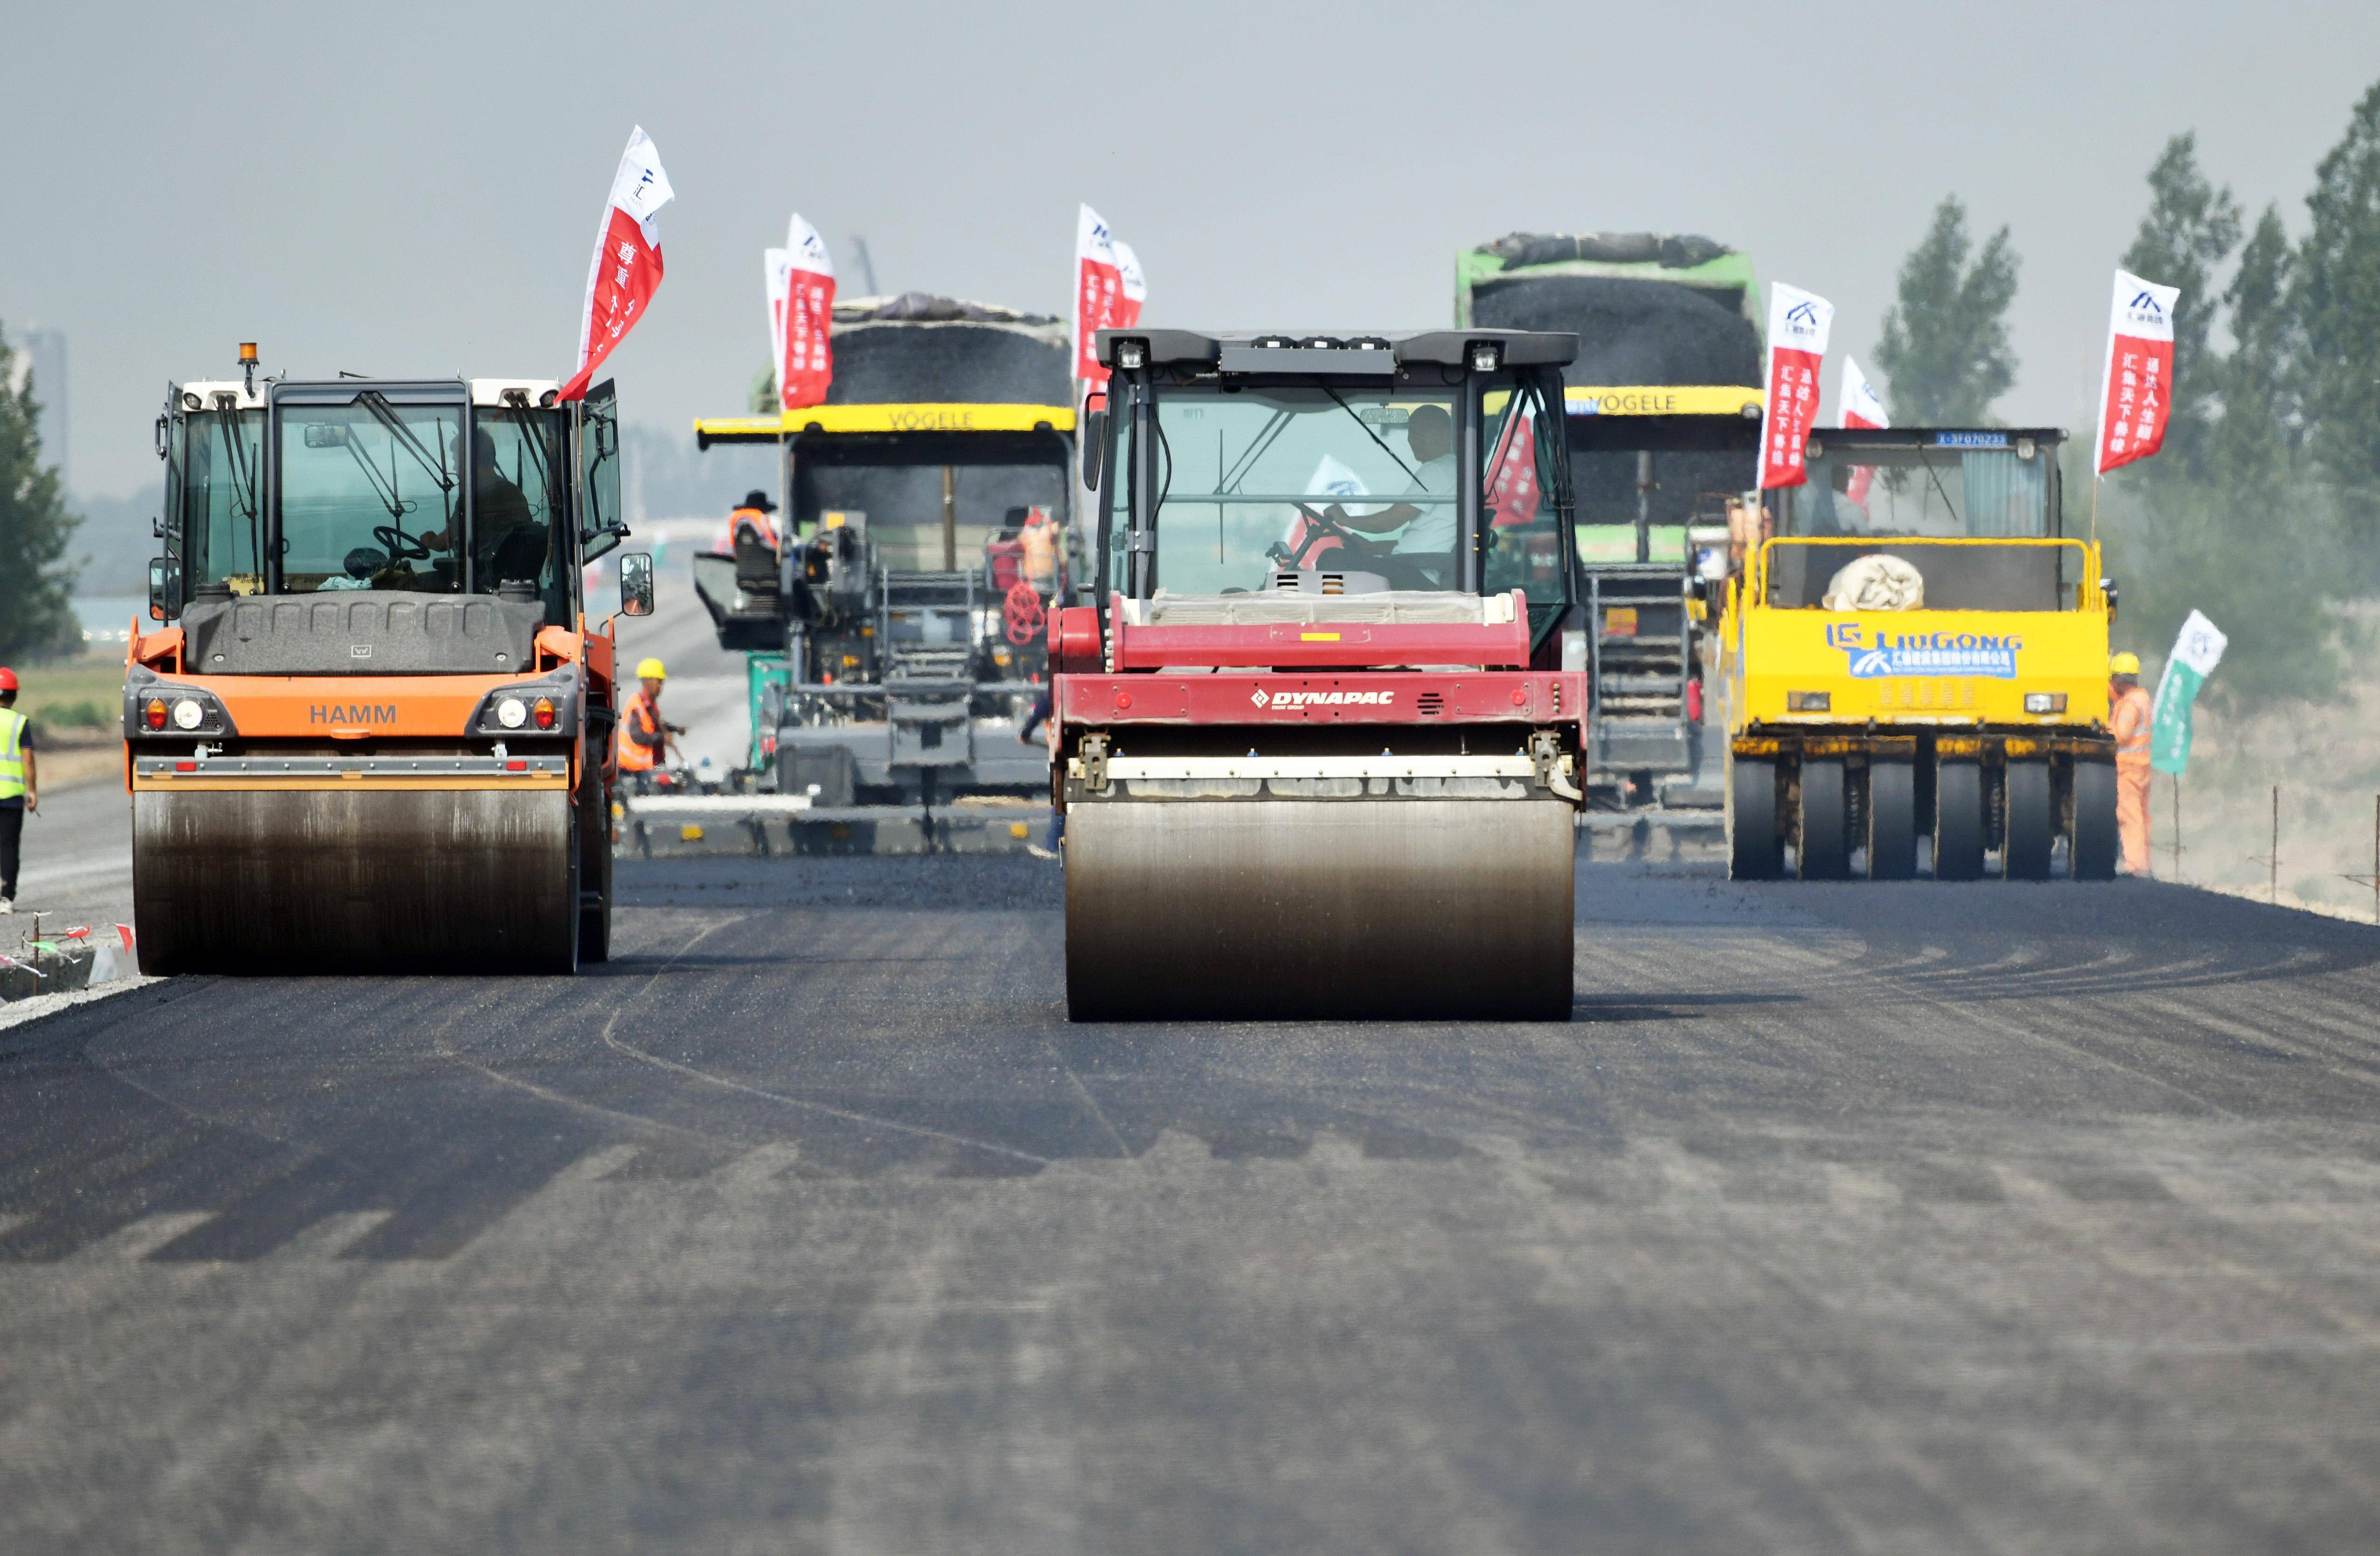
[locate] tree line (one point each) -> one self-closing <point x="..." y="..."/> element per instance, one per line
<point x="2263" y="507"/>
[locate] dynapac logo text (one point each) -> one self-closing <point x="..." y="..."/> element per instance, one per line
<point x="351" y="713"/>
<point x="1264" y="698"/>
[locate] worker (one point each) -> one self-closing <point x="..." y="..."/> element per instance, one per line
<point x="750" y="521"/>
<point x="2127" y="717"/>
<point x="643" y="736"/>
<point x="1039" y="536"/>
<point x="18" y="791"/>
<point x="512" y="544"/>
<point x="1422" y="554"/>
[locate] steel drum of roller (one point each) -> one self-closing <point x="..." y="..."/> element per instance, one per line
<point x="1268" y="907"/>
<point x="335" y="879"/>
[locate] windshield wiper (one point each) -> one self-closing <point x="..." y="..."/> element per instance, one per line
<point x="1411" y="474"/>
<point x="243" y="475"/>
<point x="372" y="401"/>
<point x="516" y="402"/>
<point x="1267" y="435"/>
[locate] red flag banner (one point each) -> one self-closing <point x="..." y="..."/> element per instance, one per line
<point x="627" y="265"/>
<point x="2136" y="392"/>
<point x="1513" y="472"/>
<point x="809" y="354"/>
<point x="1857" y="405"/>
<point x="1798" y="322"/>
<point x="1099" y="292"/>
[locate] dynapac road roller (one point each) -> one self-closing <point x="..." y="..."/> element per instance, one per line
<point x="1917" y="655"/>
<point x="374" y="734"/>
<point x="1318" y="748"/>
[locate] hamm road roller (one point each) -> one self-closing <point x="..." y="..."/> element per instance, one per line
<point x="374" y="735"/>
<point x="1918" y="656"/>
<point x="1318" y="744"/>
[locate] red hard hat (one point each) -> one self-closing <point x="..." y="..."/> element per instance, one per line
<point x="7" y="678"/>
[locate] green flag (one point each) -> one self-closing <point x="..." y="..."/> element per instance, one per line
<point x="2196" y="652"/>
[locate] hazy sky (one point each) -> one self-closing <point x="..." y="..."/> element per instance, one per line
<point x="415" y="188"/>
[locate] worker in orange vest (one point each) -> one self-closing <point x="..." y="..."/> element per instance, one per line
<point x="752" y="519"/>
<point x="2128" y="719"/>
<point x="643" y="736"/>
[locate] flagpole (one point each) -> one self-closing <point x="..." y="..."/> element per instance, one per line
<point x="2095" y="479"/>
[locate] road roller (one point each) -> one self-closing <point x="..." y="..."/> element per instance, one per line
<point x="1916" y="668"/>
<point x="366" y="722"/>
<point x="1318" y="747"/>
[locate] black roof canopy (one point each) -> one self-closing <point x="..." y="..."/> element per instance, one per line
<point x="1363" y="355"/>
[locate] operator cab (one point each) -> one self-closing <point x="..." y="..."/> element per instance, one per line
<point x="1421" y="465"/>
<point x="382" y="490"/>
<point x="1976" y="512"/>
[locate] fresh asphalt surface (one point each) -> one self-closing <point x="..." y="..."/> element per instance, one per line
<point x="1990" y="1218"/>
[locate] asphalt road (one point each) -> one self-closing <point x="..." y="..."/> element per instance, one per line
<point x="1960" y="1219"/>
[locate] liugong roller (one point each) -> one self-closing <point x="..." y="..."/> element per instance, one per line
<point x="374" y="735"/>
<point x="1318" y="748"/>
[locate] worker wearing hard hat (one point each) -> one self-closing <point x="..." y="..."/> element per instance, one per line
<point x="19" y="792"/>
<point x="643" y="736"/>
<point x="2127" y="718"/>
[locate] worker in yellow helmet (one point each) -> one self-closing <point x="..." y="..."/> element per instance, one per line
<point x="2128" y="720"/>
<point x="643" y="736"/>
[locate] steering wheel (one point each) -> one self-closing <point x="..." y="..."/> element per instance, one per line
<point x="1318" y="526"/>
<point x="402" y="547"/>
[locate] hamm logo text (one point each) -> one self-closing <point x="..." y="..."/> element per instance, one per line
<point x="352" y="713"/>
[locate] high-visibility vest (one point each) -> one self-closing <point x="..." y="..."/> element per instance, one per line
<point x="2130" y="723"/>
<point x="638" y="717"/>
<point x="764" y="532"/>
<point x="12" y="753"/>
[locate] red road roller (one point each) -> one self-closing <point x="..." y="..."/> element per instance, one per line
<point x="1319" y="745"/>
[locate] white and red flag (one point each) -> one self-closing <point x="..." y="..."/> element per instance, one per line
<point x="1798" y="322"/>
<point x="1099" y="295"/>
<point x="1134" y="285"/>
<point x="1857" y="405"/>
<point x="806" y="356"/>
<point x="775" y="266"/>
<point x="627" y="265"/>
<point x="2136" y="392"/>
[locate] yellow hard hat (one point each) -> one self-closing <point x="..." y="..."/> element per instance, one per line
<point x="651" y="670"/>
<point x="2122" y="664"/>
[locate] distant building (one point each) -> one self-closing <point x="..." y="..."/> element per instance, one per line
<point x="42" y="354"/>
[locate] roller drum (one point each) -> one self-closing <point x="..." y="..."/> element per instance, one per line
<point x="1304" y="908"/>
<point x="300" y="881"/>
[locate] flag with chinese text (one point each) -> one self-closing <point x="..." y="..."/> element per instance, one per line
<point x="808" y="354"/>
<point x="627" y="266"/>
<point x="1798" y="322"/>
<point x="1099" y="292"/>
<point x="2136" y="392"/>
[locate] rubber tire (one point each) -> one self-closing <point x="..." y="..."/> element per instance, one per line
<point x="594" y="866"/>
<point x="1754" y="851"/>
<point x="1891" y="820"/>
<point x="2095" y="841"/>
<point x="2030" y="823"/>
<point x="1959" y="821"/>
<point x="1825" y="848"/>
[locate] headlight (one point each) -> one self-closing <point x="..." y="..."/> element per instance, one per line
<point x="187" y="714"/>
<point x="1809" y="701"/>
<point x="512" y="712"/>
<point x="2045" y="702"/>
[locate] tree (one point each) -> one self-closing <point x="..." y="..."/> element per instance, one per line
<point x="1945" y="347"/>
<point x="2334" y="294"/>
<point x="36" y="582"/>
<point x="2188" y="232"/>
<point x="2251" y="446"/>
